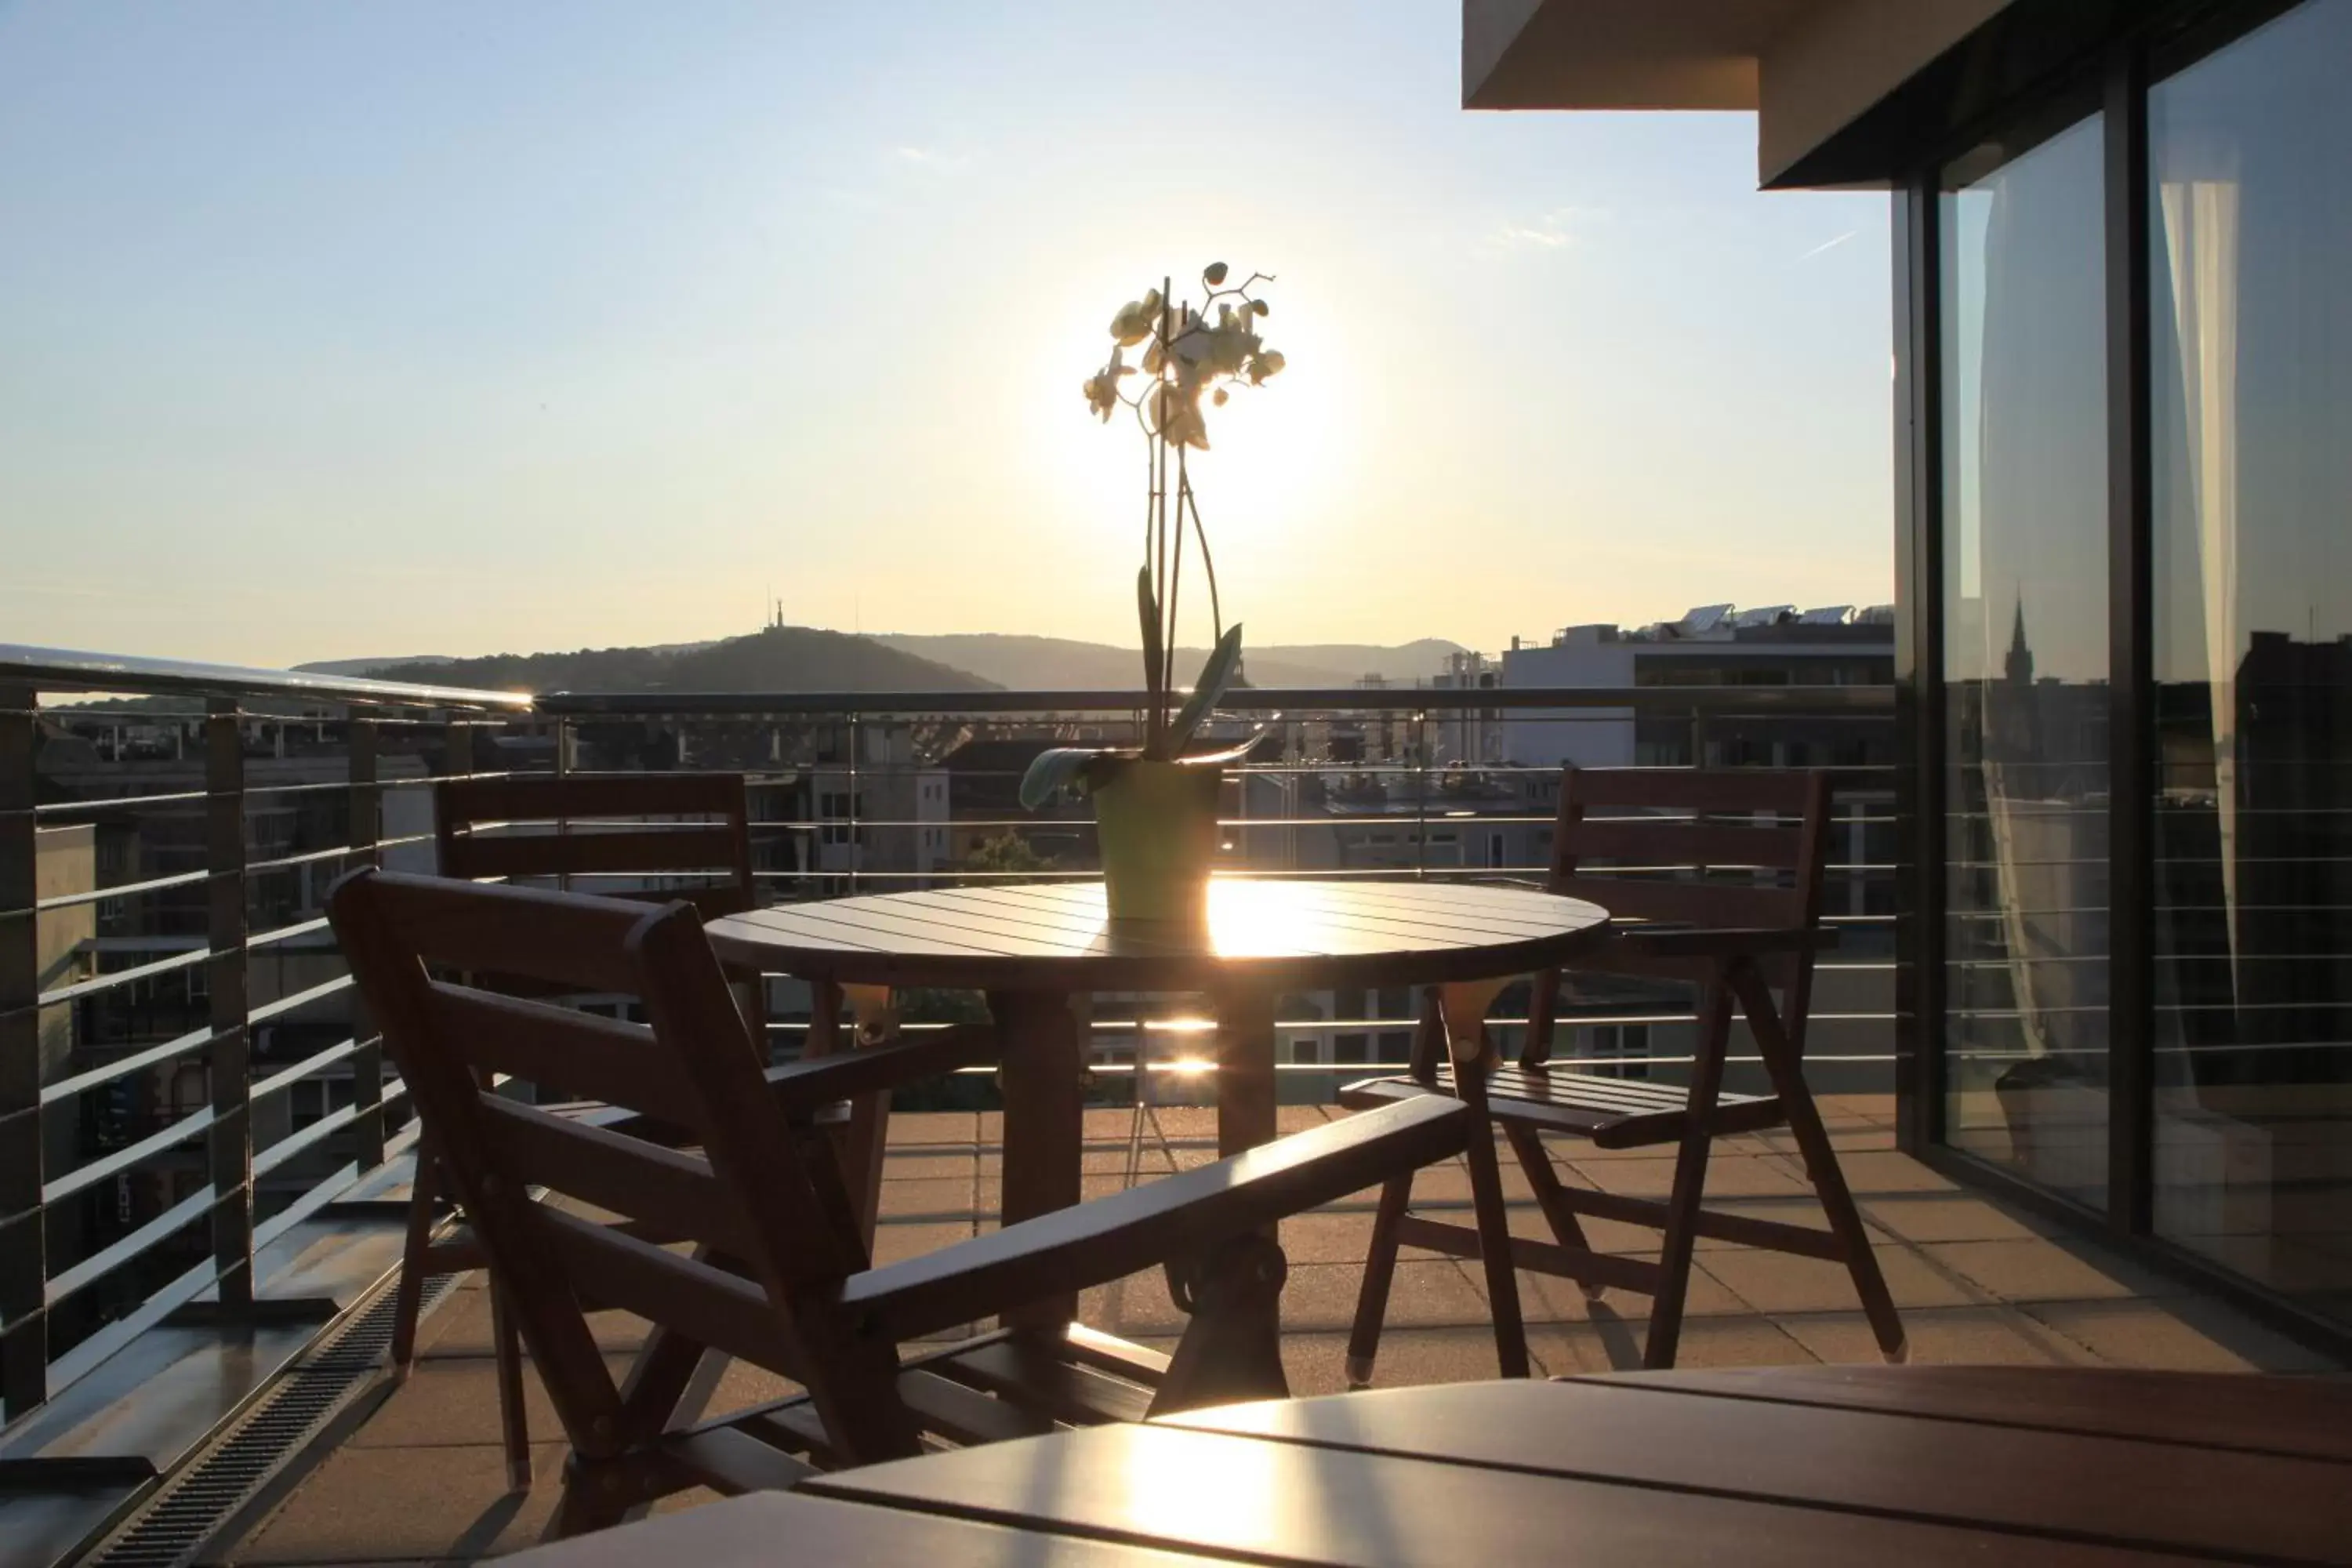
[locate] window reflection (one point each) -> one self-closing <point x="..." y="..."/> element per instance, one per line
<point x="2251" y="639"/>
<point x="2025" y="584"/>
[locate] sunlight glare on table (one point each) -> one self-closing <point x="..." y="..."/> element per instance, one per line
<point x="1176" y="1481"/>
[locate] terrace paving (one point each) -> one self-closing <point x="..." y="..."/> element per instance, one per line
<point x="421" y="1478"/>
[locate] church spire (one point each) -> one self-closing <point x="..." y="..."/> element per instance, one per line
<point x="2019" y="667"/>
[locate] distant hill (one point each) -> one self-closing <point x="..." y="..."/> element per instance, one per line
<point x="362" y="669"/>
<point x="1047" y="664"/>
<point x="782" y="659"/>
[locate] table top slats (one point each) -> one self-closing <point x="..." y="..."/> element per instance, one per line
<point x="1056" y="936"/>
<point x="784" y="1530"/>
<point x="1291" y="1502"/>
<point x="785" y="924"/>
<point x="2155" y="1496"/>
<point x="1380" y="919"/>
<point x="2302" y="1417"/>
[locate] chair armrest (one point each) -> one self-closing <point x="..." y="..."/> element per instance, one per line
<point x="1174" y="1217"/>
<point x="819" y="1081"/>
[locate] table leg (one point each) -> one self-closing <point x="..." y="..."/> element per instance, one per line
<point x="1245" y="1118"/>
<point x="1045" y="1122"/>
<point x="1245" y="1077"/>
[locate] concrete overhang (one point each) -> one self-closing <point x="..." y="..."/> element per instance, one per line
<point x="1807" y="68"/>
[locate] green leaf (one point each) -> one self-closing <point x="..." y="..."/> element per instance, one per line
<point x="1216" y="674"/>
<point x="1063" y="767"/>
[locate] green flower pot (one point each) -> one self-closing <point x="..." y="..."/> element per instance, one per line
<point x="1157" y="823"/>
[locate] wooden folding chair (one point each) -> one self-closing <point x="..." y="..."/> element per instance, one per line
<point x="1722" y="892"/>
<point x="690" y="829"/>
<point x="722" y="1157"/>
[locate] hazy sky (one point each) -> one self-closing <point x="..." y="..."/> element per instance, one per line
<point x="342" y="329"/>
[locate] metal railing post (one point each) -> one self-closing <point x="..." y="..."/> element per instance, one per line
<point x="1421" y="793"/>
<point x="856" y="849"/>
<point x="24" y="1261"/>
<point x="229" y="1140"/>
<point x="367" y="828"/>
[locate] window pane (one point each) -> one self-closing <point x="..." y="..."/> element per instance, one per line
<point x="2251" y="214"/>
<point x="2025" y="585"/>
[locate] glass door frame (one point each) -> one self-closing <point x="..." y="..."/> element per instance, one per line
<point x="2112" y="81"/>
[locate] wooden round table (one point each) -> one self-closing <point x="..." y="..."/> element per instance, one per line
<point x="1803" y="1466"/>
<point x="1031" y="948"/>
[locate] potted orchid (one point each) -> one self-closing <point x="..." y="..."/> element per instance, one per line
<point x="1156" y="803"/>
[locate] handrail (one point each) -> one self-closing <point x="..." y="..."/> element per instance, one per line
<point x="76" y="669"/>
<point x="1295" y="699"/>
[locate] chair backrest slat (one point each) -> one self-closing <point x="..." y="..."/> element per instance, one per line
<point x="586" y="795"/>
<point x="1709" y="905"/>
<point x="1669" y="841"/>
<point x="1715" y="824"/>
<point x="495" y="828"/>
<point x="1786" y="791"/>
<point x="577" y="1055"/>
<point x="726" y="1311"/>
<point x="536" y="933"/>
<point x="669" y="1194"/>
<point x="649" y="851"/>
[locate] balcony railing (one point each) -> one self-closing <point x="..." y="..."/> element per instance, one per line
<point x="185" y="1082"/>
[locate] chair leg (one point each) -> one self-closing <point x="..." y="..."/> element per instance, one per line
<point x="1681" y="1237"/>
<point x="514" y="1416"/>
<point x="1527" y="1144"/>
<point x="596" y="1496"/>
<point x="1379" y="1273"/>
<point x="1495" y="1249"/>
<point x="408" y="1294"/>
<point x="1821" y="1165"/>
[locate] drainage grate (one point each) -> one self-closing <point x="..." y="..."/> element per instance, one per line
<point x="189" y="1509"/>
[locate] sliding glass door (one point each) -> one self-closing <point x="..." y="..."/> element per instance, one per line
<point x="2025" y="660"/>
<point x="2250" y="194"/>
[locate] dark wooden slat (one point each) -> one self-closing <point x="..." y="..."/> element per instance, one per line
<point x="561" y="1048"/>
<point x="1540" y="1256"/>
<point x="1092" y="1347"/>
<point x="791" y="1425"/>
<point x="883" y="933"/>
<point x="1696" y="789"/>
<point x="1027" y="1372"/>
<point x="1650" y="841"/>
<point x="586" y="795"/>
<point x="649" y="850"/>
<point x="1744" y="1230"/>
<point x="730" y="1462"/>
<point x="1666" y="1126"/>
<point x="964" y="1415"/>
<point x="562" y="939"/>
<point x="720" y="1309"/>
<point x="1566" y="1106"/>
<point x="814" y="1080"/>
<point x="756" y="1530"/>
<point x="674" y="1194"/>
<point x="2151" y="1496"/>
<point x="1293" y="1502"/>
<point x="2308" y="1418"/>
<point x="1109" y="1239"/>
<point x="1692" y="903"/>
